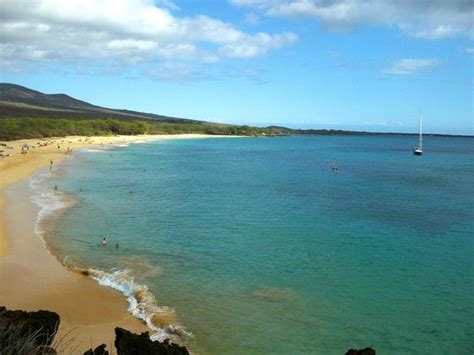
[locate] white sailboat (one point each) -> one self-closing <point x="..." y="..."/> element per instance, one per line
<point x="419" y="150"/>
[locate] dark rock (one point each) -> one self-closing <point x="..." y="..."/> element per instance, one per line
<point x="366" y="351"/>
<point x="100" y="350"/>
<point x="28" y="331"/>
<point x="128" y="343"/>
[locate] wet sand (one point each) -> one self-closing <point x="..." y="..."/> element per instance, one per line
<point x="30" y="277"/>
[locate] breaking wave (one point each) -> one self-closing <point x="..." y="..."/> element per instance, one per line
<point x="142" y="304"/>
<point x="48" y="200"/>
<point x="141" y="301"/>
<point x="90" y="150"/>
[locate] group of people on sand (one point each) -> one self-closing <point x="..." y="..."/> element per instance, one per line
<point x="3" y="154"/>
<point x="104" y="243"/>
<point x="25" y="148"/>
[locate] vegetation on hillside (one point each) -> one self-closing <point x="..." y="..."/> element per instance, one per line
<point x="23" y="128"/>
<point x="26" y="113"/>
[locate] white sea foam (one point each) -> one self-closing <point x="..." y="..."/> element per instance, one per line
<point x="124" y="145"/>
<point x="141" y="303"/>
<point x="90" y="150"/>
<point x="47" y="200"/>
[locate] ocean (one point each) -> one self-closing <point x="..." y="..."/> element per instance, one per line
<point x="255" y="245"/>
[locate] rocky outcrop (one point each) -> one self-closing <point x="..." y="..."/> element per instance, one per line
<point x="27" y="332"/>
<point x="33" y="333"/>
<point x="100" y="350"/>
<point x="366" y="351"/>
<point x="128" y="343"/>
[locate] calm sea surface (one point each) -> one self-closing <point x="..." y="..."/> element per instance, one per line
<point x="260" y="247"/>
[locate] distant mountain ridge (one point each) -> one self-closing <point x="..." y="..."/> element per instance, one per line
<point x="17" y="93"/>
<point x="19" y="101"/>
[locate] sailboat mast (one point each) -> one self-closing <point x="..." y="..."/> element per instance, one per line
<point x="421" y="130"/>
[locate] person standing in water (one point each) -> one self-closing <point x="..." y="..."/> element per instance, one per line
<point x="104" y="242"/>
<point x="51" y="165"/>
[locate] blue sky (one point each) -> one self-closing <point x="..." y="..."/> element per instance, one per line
<point x="345" y="64"/>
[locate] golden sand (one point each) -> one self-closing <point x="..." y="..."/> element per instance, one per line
<point x="20" y="166"/>
<point x="30" y="277"/>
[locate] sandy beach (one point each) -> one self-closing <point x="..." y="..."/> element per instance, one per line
<point x="33" y="279"/>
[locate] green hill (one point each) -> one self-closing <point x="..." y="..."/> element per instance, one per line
<point x="26" y="113"/>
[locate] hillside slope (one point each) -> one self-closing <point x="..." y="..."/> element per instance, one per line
<point x="19" y="101"/>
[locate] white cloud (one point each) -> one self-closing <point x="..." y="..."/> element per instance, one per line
<point x="130" y="31"/>
<point x="256" y="46"/>
<point x="438" y="32"/>
<point x="167" y="4"/>
<point x="130" y="45"/>
<point x="428" y="19"/>
<point x="252" y="19"/>
<point x="410" y="66"/>
<point x="469" y="50"/>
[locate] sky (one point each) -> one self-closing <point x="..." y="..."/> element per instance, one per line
<point x="342" y="64"/>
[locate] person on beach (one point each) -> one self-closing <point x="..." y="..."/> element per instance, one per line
<point x="117" y="245"/>
<point x="55" y="188"/>
<point x="104" y="242"/>
<point x="51" y="165"/>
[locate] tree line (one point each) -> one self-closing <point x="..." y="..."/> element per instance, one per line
<point x="43" y="127"/>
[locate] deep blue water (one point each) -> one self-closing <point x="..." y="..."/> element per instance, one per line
<point x="261" y="248"/>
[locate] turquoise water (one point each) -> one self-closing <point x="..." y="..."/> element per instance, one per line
<point x="260" y="248"/>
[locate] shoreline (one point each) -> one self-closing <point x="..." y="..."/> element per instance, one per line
<point x="31" y="277"/>
<point x="18" y="166"/>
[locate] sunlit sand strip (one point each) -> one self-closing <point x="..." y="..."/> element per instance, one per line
<point x="30" y="277"/>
